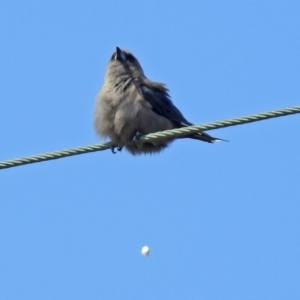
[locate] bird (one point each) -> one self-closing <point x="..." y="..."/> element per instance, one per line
<point x="130" y="105"/>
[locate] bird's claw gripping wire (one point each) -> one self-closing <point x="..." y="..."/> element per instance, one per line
<point x="136" y="140"/>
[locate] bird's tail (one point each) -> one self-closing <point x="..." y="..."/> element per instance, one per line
<point x="202" y="136"/>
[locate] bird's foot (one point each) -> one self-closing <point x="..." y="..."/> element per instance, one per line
<point x="136" y="140"/>
<point x="113" y="149"/>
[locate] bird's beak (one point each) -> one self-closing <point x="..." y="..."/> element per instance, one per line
<point x="120" y="54"/>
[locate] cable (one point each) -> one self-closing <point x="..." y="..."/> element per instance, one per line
<point x="152" y="137"/>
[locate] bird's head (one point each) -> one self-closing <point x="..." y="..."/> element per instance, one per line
<point x="123" y="64"/>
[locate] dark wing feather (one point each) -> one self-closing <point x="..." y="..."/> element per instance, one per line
<point x="157" y="95"/>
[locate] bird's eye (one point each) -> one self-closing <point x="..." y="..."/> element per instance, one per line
<point x="131" y="58"/>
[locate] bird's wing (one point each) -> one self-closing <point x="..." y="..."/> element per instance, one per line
<point x="157" y="95"/>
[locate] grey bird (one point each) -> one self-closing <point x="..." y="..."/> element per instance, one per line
<point x="130" y="105"/>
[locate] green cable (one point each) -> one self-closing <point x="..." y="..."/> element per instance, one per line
<point x="152" y="137"/>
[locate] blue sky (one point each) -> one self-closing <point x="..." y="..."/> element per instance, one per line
<point x="222" y="221"/>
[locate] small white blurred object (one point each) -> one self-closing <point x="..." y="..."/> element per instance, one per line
<point x="145" y="251"/>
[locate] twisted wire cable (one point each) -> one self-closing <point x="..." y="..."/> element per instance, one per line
<point x="167" y="134"/>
